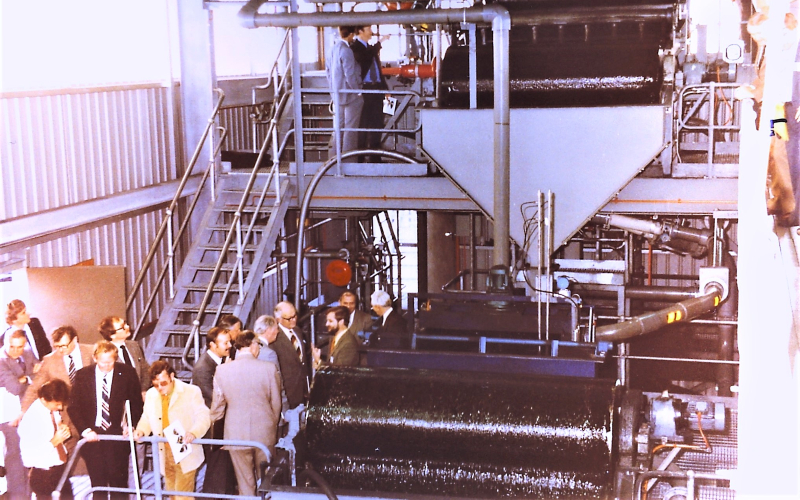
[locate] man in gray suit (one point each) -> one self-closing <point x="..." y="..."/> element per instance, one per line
<point x="345" y="74"/>
<point x="16" y="372"/>
<point x="243" y="390"/>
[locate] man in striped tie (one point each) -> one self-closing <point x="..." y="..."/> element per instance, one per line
<point x="97" y="408"/>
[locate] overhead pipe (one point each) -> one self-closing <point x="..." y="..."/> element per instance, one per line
<point x="681" y="312"/>
<point x="500" y="20"/>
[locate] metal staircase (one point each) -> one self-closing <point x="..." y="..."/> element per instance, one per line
<point x="222" y="271"/>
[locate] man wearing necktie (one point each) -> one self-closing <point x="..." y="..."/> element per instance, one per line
<point x="117" y="331"/>
<point x="63" y="363"/>
<point x="42" y="434"/>
<point x="97" y="407"/>
<point x="369" y="59"/>
<point x="16" y="370"/>
<point x="286" y="315"/>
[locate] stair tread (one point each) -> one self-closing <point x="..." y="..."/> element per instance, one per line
<point x="196" y="307"/>
<point x="171" y="351"/>
<point x="225" y="227"/>
<point x="231" y="248"/>
<point x="217" y="288"/>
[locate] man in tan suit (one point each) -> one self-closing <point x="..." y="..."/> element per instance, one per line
<point x="359" y="322"/>
<point x="248" y="393"/>
<point x="184" y="404"/>
<point x="67" y="358"/>
<point x="63" y="363"/>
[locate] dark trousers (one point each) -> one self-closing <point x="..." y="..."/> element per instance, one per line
<point x="44" y="481"/>
<point x="371" y="117"/>
<point x="107" y="462"/>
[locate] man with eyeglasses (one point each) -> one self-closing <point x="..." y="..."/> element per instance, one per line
<point x="117" y="331"/>
<point x="172" y="401"/>
<point x="63" y="363"/>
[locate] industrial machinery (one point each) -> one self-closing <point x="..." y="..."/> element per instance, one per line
<point x="574" y="371"/>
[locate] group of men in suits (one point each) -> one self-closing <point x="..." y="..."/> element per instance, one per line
<point x="98" y="387"/>
<point x="269" y="377"/>
<point x="355" y="65"/>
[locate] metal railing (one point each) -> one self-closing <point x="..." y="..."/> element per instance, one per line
<point x="699" y="112"/>
<point x="235" y="231"/>
<point x="166" y="228"/>
<point x="156" y="491"/>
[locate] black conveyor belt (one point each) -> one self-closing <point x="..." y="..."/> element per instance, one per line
<point x="461" y="434"/>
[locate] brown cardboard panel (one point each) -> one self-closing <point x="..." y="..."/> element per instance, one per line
<point x="80" y="296"/>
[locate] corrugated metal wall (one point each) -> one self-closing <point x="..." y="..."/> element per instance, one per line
<point x="65" y="147"/>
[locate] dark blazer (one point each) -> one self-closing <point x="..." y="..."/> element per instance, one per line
<point x="393" y="334"/>
<point x="292" y="371"/>
<point x="39" y="337"/>
<point x="364" y="55"/>
<point x="345" y="353"/>
<point x="203" y="377"/>
<point x="362" y="322"/>
<point x="11" y="371"/>
<point x="83" y="403"/>
<point x="142" y="366"/>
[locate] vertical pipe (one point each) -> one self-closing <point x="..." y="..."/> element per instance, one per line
<point x="501" y="25"/>
<point x="473" y="280"/>
<point x="473" y="68"/>
<point x="319" y="278"/>
<point x="297" y="94"/>
<point x="399" y="258"/>
<point x="711" y="117"/>
<point x="548" y="255"/>
<point x="727" y="334"/>
<point x="170" y="256"/>
<point x="540" y="248"/>
<point x="422" y="252"/>
<point x="623" y="348"/>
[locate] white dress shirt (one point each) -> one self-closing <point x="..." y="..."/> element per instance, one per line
<point x="75" y="355"/>
<point x="35" y="432"/>
<point x="213" y="356"/>
<point x="386" y="315"/>
<point x="291" y="333"/>
<point x="98" y="385"/>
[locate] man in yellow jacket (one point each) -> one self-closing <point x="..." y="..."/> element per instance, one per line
<point x="168" y="402"/>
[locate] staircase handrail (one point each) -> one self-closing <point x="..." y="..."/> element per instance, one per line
<point x="277" y="82"/>
<point x="167" y="220"/>
<point x="194" y="337"/>
<point x="176" y="241"/>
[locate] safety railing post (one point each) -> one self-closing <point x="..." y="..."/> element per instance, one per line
<point x="170" y="256"/>
<point x="240" y="256"/>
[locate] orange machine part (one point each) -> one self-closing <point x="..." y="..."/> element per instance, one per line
<point x="412" y="71"/>
<point x="339" y="272"/>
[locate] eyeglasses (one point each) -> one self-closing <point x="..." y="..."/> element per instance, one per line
<point x="162" y="383"/>
<point x="62" y="346"/>
<point x="290" y="318"/>
<point x="123" y="327"/>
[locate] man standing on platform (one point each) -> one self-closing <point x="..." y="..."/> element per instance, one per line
<point x="359" y="322"/>
<point x="344" y="74"/>
<point x="368" y="58"/>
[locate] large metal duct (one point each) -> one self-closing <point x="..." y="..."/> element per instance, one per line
<point x="461" y="434"/>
